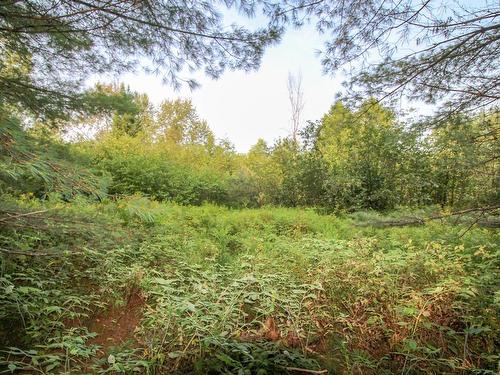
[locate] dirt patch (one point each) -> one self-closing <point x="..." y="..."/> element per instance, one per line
<point x="117" y="324"/>
<point x="287" y="337"/>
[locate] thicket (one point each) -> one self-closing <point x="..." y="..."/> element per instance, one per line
<point x="353" y="158"/>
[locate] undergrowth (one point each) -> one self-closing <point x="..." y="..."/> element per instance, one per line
<point x="210" y="290"/>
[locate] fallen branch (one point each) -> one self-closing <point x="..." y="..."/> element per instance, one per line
<point x="488" y="224"/>
<point x="476" y="209"/>
<point x="306" y="370"/>
<point x="395" y="223"/>
<point x="10" y="217"/>
<point x="17" y="219"/>
<point x="28" y="253"/>
<point x="35" y="254"/>
<point x="421" y="221"/>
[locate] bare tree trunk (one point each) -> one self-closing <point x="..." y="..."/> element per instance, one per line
<point x="296" y="97"/>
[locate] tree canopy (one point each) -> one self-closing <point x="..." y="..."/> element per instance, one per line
<point x="50" y="47"/>
<point x="442" y="53"/>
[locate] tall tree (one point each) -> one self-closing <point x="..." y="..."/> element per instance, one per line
<point x="177" y="122"/>
<point x="362" y="151"/>
<point x="464" y="172"/>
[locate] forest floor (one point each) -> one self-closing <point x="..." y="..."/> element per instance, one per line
<point x="136" y="286"/>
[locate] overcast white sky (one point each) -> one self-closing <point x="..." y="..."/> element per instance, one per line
<point x="247" y="106"/>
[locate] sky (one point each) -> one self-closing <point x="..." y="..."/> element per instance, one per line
<point x="244" y="107"/>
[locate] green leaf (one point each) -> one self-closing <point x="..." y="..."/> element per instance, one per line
<point x="51" y="366"/>
<point x="411" y="344"/>
<point x="225" y="358"/>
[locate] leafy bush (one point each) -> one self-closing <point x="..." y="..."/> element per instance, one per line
<point x="150" y="170"/>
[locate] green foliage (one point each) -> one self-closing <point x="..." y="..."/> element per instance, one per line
<point x="353" y="158"/>
<point x="154" y="169"/>
<point x="260" y="291"/>
<point x="260" y="358"/>
<point x="362" y="153"/>
<point x="191" y="287"/>
<point x="48" y="82"/>
<point x="37" y="165"/>
<point x="126" y="111"/>
<point x="463" y="164"/>
<point x="177" y="122"/>
<point x="364" y="158"/>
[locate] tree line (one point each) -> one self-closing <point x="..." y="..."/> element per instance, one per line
<point x="359" y="155"/>
<point x="354" y="157"/>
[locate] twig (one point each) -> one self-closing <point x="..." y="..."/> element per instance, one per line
<point x="28" y="253"/>
<point x="306" y="370"/>
<point x="178" y="361"/>
<point x="10" y="217"/>
<point x="473" y="223"/>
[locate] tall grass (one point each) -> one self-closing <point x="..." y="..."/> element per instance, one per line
<point x="263" y="291"/>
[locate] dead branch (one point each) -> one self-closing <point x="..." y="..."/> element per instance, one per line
<point x="27" y="253"/>
<point x="421" y="221"/>
<point x="11" y="217"/>
<point x="306" y="370"/>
